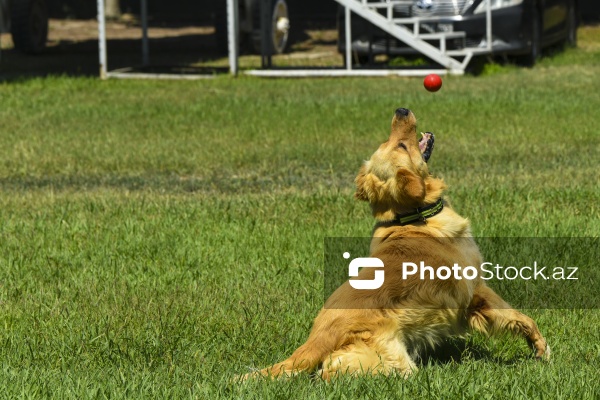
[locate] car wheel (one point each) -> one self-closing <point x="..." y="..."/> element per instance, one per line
<point x="29" y="25"/>
<point x="362" y="59"/>
<point x="535" y="48"/>
<point x="279" y="27"/>
<point x="571" y="39"/>
<point x="221" y="32"/>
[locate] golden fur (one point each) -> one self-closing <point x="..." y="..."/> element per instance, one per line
<point x="404" y="314"/>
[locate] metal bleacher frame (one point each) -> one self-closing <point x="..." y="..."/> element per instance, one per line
<point x="405" y="29"/>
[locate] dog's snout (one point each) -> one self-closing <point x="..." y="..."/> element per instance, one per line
<point x="402" y="112"/>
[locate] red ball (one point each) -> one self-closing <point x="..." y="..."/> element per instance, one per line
<point x="432" y="82"/>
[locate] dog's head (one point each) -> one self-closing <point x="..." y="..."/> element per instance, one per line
<point x="396" y="178"/>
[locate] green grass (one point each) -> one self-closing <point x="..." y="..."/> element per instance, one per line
<point x="158" y="238"/>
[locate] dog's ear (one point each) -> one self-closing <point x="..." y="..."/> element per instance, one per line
<point x="367" y="185"/>
<point x="411" y="185"/>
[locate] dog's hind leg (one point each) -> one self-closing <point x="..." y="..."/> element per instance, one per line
<point x="305" y="358"/>
<point x="490" y="314"/>
<point x="360" y="358"/>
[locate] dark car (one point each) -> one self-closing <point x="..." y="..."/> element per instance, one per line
<point x="520" y="28"/>
<point x="27" y="21"/>
<point x="249" y="14"/>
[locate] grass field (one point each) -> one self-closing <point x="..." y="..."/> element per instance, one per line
<point x="158" y="238"/>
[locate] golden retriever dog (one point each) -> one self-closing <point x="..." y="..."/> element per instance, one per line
<point x="379" y="331"/>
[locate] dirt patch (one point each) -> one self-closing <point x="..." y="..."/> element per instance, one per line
<point x="182" y="48"/>
<point x="73" y="49"/>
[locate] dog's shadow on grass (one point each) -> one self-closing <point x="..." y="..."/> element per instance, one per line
<point x="457" y="350"/>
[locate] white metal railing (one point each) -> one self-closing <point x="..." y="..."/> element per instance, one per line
<point x="369" y="10"/>
<point x="103" y="53"/>
<point x="233" y="35"/>
<point x="398" y="27"/>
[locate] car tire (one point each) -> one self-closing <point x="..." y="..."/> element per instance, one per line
<point x="279" y="29"/>
<point x="572" y="20"/>
<point x="535" y="49"/>
<point x="362" y="59"/>
<point x="29" y="25"/>
<point x="221" y="30"/>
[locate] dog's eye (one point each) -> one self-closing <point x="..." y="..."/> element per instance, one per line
<point x="402" y="145"/>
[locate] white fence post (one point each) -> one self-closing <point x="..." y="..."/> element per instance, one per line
<point x="348" y="38"/>
<point x="145" y="45"/>
<point x="488" y="25"/>
<point x="102" y="39"/>
<point x="232" y="35"/>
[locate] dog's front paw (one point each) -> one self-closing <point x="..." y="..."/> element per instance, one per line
<point x="543" y="355"/>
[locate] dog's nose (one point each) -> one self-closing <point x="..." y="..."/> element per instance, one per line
<point x="402" y="112"/>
